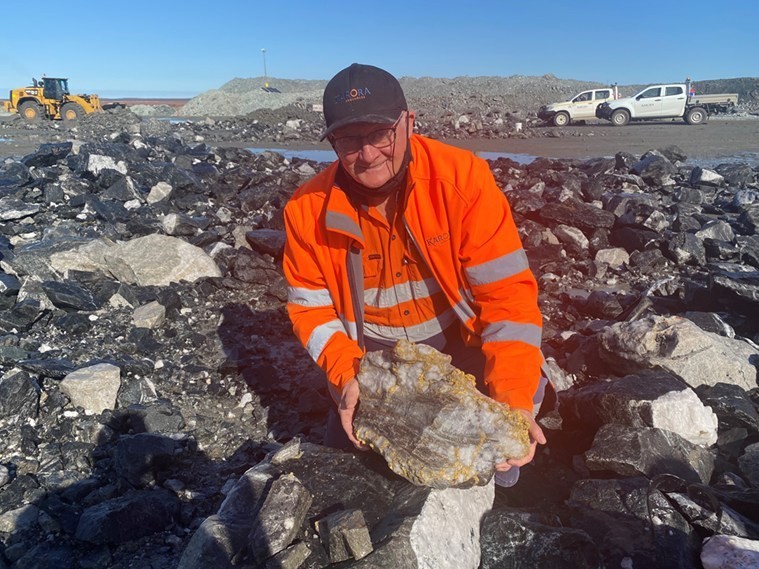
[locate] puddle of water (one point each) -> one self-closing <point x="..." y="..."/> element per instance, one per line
<point x="173" y="120"/>
<point x="315" y="155"/>
<point x="330" y="156"/>
<point x="750" y="158"/>
<point x="518" y="158"/>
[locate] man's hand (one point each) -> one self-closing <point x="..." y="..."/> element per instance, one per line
<point x="536" y="437"/>
<point x="346" y="409"/>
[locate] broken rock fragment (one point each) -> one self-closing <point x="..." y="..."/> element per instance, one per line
<point x="429" y="421"/>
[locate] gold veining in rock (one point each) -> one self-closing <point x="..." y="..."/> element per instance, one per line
<point x="430" y="422"/>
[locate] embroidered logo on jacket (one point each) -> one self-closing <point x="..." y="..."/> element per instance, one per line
<point x="438" y="239"/>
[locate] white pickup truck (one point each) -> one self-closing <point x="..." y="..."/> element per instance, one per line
<point x="663" y="102"/>
<point x="580" y="107"/>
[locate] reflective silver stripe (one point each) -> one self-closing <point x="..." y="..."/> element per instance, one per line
<point x="498" y="269"/>
<point x="321" y="335"/>
<point x="307" y="297"/>
<point x="344" y="223"/>
<point x="403" y="292"/>
<point x="415" y="333"/>
<point x="506" y="331"/>
<point x="463" y="311"/>
<point x="350" y="327"/>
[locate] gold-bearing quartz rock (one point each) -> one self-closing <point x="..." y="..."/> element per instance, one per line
<point x="429" y="421"/>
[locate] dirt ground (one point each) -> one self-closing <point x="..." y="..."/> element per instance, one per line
<point x="736" y="139"/>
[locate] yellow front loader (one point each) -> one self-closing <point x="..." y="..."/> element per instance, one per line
<point x="50" y="98"/>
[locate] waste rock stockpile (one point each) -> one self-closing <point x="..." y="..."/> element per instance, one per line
<point x="156" y="410"/>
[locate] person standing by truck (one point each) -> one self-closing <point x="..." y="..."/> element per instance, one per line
<point x="404" y="237"/>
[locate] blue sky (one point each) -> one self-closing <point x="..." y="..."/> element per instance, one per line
<point x="176" y="49"/>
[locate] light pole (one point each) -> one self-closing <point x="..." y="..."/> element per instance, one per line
<point x="263" y="53"/>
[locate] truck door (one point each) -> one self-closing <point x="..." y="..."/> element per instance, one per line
<point x="648" y="103"/>
<point x="583" y="106"/>
<point x="673" y="101"/>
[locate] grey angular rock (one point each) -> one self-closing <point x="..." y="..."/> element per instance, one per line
<point x="508" y="541"/>
<point x="429" y="421"/>
<point x="655" y="399"/>
<point x="733" y="406"/>
<point x="150" y="315"/>
<point x="18" y="394"/>
<point x="679" y="346"/>
<point x="577" y="214"/>
<point x="128" y="517"/>
<point x="749" y="464"/>
<point x="345" y="535"/>
<point x="633" y="524"/>
<point x="686" y="248"/>
<point x="159" y="260"/>
<point x="655" y="169"/>
<point x="278" y="521"/>
<point x="14" y="208"/>
<point x="640" y="451"/>
<point x="93" y="388"/>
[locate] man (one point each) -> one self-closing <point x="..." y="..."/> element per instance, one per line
<point x="406" y="237"/>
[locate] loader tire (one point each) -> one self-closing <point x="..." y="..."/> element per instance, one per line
<point x="71" y="112"/>
<point x="31" y="111"/>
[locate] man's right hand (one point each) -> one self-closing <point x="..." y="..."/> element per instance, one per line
<point x="346" y="409"/>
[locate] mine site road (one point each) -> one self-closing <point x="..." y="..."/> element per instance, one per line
<point x="728" y="138"/>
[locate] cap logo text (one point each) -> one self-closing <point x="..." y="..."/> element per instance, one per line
<point x="353" y="95"/>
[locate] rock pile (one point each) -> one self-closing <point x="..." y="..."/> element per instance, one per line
<point x="155" y="409"/>
<point x="442" y="98"/>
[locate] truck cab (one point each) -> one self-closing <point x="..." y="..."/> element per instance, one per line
<point x="580" y="107"/>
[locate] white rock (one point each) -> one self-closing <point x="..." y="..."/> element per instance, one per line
<point x="730" y="552"/>
<point x="571" y="236"/>
<point x="448" y="522"/>
<point x="683" y="413"/>
<point x="614" y="257"/>
<point x="150" y="315"/>
<point x="160" y="191"/>
<point x="93" y="388"/>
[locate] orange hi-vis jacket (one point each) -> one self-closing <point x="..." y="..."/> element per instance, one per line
<point x="461" y="223"/>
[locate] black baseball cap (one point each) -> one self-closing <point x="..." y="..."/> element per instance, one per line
<point x="362" y="93"/>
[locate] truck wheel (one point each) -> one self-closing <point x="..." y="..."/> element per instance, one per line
<point x="30" y="110"/>
<point x="696" y="115"/>
<point x="561" y="119"/>
<point x="71" y="112"/>
<point x="620" y="117"/>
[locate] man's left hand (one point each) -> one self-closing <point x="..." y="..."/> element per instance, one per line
<point x="536" y="437"/>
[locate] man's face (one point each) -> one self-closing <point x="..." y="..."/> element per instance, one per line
<point x="372" y="165"/>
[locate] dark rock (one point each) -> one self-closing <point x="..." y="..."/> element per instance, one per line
<point x="278" y="521"/>
<point x="732" y="405"/>
<point x="655" y="168"/>
<point x="686" y="248"/>
<point x="619" y="517"/>
<point x="70" y="296"/>
<point x="139" y="457"/>
<point x="577" y="214"/>
<point x="18" y="395"/>
<point x="47" y="155"/>
<point x="129" y="517"/>
<point x="637" y="451"/>
<point x="508" y="541"/>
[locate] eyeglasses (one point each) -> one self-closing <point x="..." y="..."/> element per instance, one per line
<point x="380" y="138"/>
